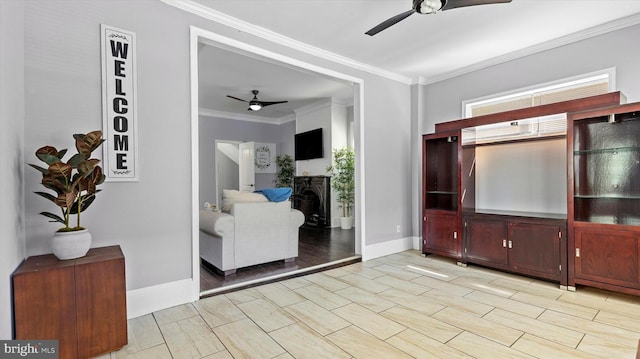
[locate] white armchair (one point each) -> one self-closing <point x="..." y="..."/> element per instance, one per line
<point x="252" y="233"/>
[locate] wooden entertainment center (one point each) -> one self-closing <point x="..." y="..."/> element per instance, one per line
<point x="596" y="243"/>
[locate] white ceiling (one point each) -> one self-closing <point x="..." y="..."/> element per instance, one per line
<point x="223" y="73"/>
<point x="421" y="48"/>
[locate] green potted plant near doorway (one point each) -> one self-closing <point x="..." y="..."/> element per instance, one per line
<point x="286" y="169"/>
<point x="74" y="184"/>
<point x="343" y="182"/>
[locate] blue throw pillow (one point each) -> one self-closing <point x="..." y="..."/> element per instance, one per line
<point x="276" y="194"/>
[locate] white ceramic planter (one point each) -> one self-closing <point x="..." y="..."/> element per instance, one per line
<point x="346" y="222"/>
<point x="71" y="245"/>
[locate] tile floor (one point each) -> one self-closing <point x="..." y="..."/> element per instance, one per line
<point x="399" y="306"/>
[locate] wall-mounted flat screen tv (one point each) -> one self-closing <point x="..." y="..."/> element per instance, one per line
<point x="308" y="145"/>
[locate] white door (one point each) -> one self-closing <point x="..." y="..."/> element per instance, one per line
<point x="246" y="166"/>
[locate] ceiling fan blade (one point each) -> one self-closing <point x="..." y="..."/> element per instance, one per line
<point x="235" y="98"/>
<point x="452" y="4"/>
<point x="389" y="22"/>
<point x="264" y="103"/>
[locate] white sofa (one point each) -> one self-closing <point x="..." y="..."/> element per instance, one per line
<point x="252" y="233"/>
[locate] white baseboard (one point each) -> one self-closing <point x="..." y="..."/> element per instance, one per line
<point x="390" y="247"/>
<point x="150" y="299"/>
<point x="417" y="243"/>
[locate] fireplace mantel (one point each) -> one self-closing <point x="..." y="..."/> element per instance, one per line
<point x="312" y="196"/>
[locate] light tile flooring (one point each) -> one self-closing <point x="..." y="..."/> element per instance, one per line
<point x="399" y="306"/>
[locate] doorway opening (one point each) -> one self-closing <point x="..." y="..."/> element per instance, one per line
<point x="200" y="38"/>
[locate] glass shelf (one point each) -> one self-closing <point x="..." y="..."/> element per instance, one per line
<point x="610" y="209"/>
<point x="607" y="196"/>
<point x="607" y="150"/>
<point x="606" y="136"/>
<point x="629" y="221"/>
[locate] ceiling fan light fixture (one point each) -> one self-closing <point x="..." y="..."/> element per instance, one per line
<point x="430" y="6"/>
<point x="255" y="106"/>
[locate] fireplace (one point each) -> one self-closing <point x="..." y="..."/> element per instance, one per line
<point x="312" y="196"/>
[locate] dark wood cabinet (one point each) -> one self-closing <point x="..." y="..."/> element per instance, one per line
<point x="526" y="245"/>
<point x="536" y="249"/>
<point x="81" y="302"/>
<point x="441" y="195"/>
<point x="603" y="149"/>
<point x="607" y="256"/>
<point x="441" y="234"/>
<point x="485" y="240"/>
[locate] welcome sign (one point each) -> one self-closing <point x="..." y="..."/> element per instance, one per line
<point x="119" y="104"/>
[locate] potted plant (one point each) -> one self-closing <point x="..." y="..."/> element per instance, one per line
<point x="286" y="169"/>
<point x="74" y="184"/>
<point x="343" y="182"/>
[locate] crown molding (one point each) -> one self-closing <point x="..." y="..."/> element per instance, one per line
<point x="240" y="25"/>
<point x="562" y="41"/>
<point x="249" y="118"/>
<point x="312" y="107"/>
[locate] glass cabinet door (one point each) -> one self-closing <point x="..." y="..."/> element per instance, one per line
<point x="606" y="169"/>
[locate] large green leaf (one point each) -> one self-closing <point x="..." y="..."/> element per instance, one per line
<point x="54" y="217"/>
<point x="48" y="154"/>
<point x="41" y="169"/>
<point x="85" y="168"/>
<point x="76" y="159"/>
<point x="46" y="195"/>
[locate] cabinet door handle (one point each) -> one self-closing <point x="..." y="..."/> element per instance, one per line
<point x="504" y="243"/>
<point x="510" y="244"/>
<point x="455" y="235"/>
<point x="577" y="252"/>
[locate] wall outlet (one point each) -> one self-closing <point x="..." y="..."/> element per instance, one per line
<point x="398" y="228"/>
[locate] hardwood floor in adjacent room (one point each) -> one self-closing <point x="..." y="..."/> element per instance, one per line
<point x="316" y="247"/>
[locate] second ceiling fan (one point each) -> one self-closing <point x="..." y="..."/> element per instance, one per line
<point x="430" y="7"/>
<point x="255" y="104"/>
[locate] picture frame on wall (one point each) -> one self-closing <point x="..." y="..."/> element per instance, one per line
<point x="265" y="157"/>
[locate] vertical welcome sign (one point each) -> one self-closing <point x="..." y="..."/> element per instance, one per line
<point x="119" y="104"/>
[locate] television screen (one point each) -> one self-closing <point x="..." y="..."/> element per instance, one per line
<point x="308" y="145"/>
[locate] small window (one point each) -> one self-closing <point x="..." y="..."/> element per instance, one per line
<point x="592" y="84"/>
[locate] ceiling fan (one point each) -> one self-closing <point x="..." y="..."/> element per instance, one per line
<point x="255" y="104"/>
<point x="430" y="7"/>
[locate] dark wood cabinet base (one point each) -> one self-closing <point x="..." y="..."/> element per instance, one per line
<point x="532" y="246"/>
<point x="79" y="302"/>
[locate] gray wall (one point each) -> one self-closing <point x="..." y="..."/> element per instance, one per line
<point x="387" y="149"/>
<point x="12" y="246"/>
<point x="212" y="129"/>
